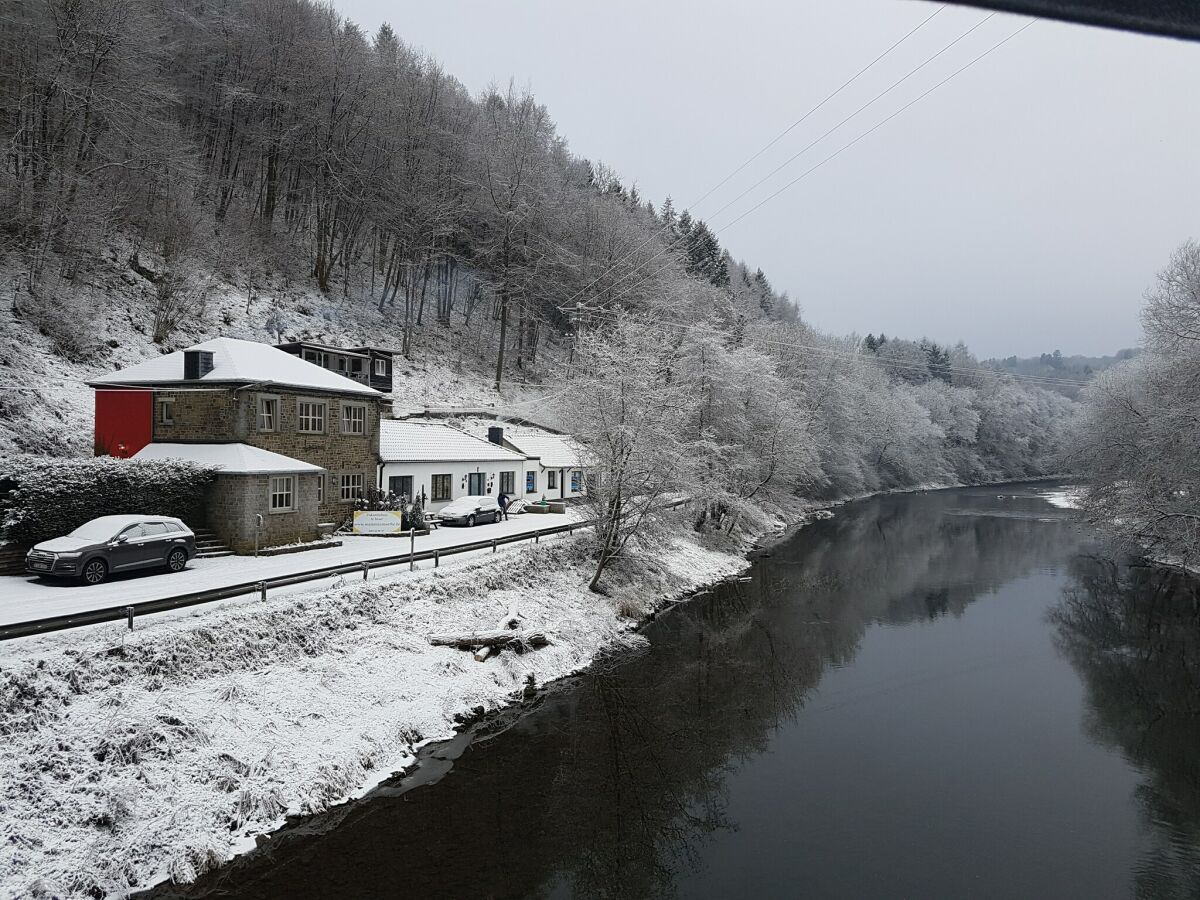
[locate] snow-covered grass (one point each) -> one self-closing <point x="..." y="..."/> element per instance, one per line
<point x="133" y="757"/>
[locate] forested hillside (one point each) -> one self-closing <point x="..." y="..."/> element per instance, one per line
<point x="174" y="170"/>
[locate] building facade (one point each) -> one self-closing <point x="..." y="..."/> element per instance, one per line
<point x="240" y="393"/>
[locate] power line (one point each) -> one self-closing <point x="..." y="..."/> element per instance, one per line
<point x="827" y="159"/>
<point x="1041" y="380"/>
<point x="612" y="266"/>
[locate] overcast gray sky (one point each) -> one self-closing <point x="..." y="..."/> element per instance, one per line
<point x="1022" y="207"/>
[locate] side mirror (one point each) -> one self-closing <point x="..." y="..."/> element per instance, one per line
<point x="122" y="538"/>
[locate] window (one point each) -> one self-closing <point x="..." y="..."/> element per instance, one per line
<point x="132" y="533"/>
<point x="552" y="479"/>
<point x="381" y="367"/>
<point x="354" y="418"/>
<point x="352" y="487"/>
<point x="166" y="411"/>
<point x="341" y="363"/>
<point x="575" y="481"/>
<point x="312" y="416"/>
<point x="268" y="413"/>
<point x="283" y="493"/>
<point x="531" y="482"/>
<point x="321" y="488"/>
<point x="508" y="482"/>
<point x="401" y="486"/>
<point x="356" y="366"/>
<point x="440" y="488"/>
<point x="317" y="358"/>
<point x="154" y="529"/>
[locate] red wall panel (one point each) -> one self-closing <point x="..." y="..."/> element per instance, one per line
<point x="124" y="421"/>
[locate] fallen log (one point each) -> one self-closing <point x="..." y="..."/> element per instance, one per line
<point x="482" y="654"/>
<point x="493" y="639"/>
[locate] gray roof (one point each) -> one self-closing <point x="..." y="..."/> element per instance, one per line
<point x="402" y="441"/>
<point x="235" y="361"/>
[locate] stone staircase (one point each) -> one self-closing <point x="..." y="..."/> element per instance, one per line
<point x="209" y="546"/>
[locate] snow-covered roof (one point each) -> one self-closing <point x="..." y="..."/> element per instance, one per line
<point x="232" y="459"/>
<point x="247" y="362"/>
<point x="554" y="451"/>
<point x="401" y="441"/>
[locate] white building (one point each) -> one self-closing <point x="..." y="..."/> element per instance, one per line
<point x="558" y="466"/>
<point x="442" y="464"/>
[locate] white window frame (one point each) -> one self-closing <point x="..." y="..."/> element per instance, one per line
<point x="347" y="407"/>
<point x="166" y="411"/>
<point x="552" y="479"/>
<point x="301" y="417"/>
<point x="347" y="482"/>
<point x="264" y="399"/>
<point x="321" y="488"/>
<point x="283" y="486"/>
<point x="381" y="368"/>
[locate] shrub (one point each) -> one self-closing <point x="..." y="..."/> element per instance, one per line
<point x="44" y="498"/>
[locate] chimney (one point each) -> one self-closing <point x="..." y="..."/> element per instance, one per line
<point x="196" y="364"/>
<point x="496" y="435"/>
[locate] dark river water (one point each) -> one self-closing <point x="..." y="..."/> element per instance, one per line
<point x="942" y="695"/>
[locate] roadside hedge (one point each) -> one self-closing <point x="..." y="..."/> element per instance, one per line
<point x="42" y="498"/>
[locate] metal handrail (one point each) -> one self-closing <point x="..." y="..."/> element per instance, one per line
<point x="261" y="585"/>
<point x="129" y="611"/>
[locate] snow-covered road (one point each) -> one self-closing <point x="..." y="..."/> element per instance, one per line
<point x="24" y="598"/>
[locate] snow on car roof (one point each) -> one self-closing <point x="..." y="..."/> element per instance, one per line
<point x="231" y="459"/>
<point x="237" y="361"/>
<point x="402" y="441"/>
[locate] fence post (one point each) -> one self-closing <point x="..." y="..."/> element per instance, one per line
<point x="129" y="616"/>
<point x="537" y="536"/>
<point x="493" y="545"/>
<point x="412" y="544"/>
<point x="436" y="560"/>
<point x="262" y="590"/>
<point x="366" y="570"/>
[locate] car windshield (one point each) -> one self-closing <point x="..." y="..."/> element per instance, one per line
<point x="98" y="529"/>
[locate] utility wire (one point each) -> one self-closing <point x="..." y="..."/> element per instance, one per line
<point x="1043" y="380"/>
<point x="818" y="165"/>
<point x="613" y="265"/>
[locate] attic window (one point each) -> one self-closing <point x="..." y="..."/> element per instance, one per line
<point x="196" y="364"/>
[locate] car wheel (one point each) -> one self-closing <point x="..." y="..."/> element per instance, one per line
<point x="177" y="560"/>
<point x="470" y="521"/>
<point x="95" y="571"/>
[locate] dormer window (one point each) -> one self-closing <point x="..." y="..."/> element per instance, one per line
<point x="381" y="367"/>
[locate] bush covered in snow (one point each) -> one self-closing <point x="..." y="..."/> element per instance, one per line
<point x="44" y="498"/>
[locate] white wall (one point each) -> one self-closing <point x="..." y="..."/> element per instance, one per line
<point x="422" y="476"/>
<point x="422" y="479"/>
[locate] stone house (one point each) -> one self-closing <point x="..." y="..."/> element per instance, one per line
<point x="233" y="392"/>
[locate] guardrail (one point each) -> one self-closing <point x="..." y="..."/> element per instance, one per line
<point x="129" y="612"/>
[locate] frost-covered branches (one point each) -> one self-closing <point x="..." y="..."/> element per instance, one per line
<point x="1138" y="441"/>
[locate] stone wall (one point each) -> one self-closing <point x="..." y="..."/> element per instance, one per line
<point x="234" y="501"/>
<point x="232" y="415"/>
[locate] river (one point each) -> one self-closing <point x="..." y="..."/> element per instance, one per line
<point x="951" y="694"/>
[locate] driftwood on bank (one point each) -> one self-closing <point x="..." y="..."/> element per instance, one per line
<point x="494" y="639"/>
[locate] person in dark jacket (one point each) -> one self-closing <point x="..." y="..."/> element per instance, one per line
<point x="502" y="501"/>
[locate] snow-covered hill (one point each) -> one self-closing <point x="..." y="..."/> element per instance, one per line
<point x="53" y="341"/>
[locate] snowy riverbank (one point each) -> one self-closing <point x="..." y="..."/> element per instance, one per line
<point x="133" y="757"/>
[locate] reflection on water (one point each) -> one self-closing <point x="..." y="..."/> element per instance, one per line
<point x="1133" y="633"/>
<point x="881" y="711"/>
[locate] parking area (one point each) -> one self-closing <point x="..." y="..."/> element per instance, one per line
<point x="23" y="598"/>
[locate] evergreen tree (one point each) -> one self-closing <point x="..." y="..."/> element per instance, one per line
<point x="870" y="343"/>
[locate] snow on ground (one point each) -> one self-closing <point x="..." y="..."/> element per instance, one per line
<point x="1064" y="498"/>
<point x="24" y="598"/>
<point x="131" y="757"/>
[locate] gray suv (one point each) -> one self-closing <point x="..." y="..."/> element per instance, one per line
<point x="114" y="544"/>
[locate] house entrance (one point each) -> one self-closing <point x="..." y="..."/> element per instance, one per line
<point x="401" y="485"/>
<point x="475" y="483"/>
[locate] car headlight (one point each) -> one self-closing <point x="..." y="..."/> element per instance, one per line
<point x="74" y="555"/>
